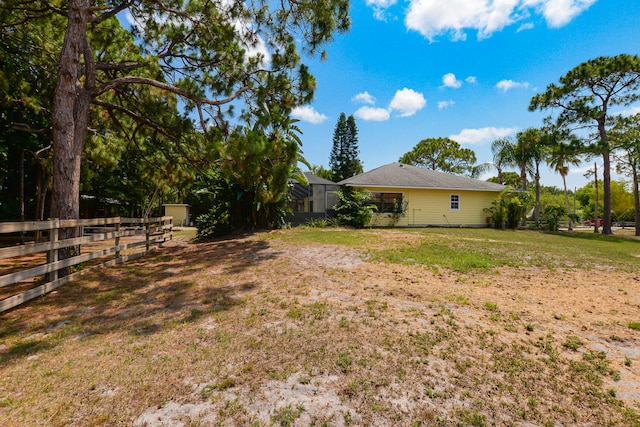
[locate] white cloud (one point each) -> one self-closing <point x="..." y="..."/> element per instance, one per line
<point x="482" y="135"/>
<point x="372" y="114"/>
<point x="506" y="85"/>
<point x="308" y="114"/>
<point x="257" y="48"/>
<point x="630" y="111"/>
<point x="525" y="27"/>
<point x="381" y="3"/>
<point x="560" y="12"/>
<point x="449" y="80"/>
<point x="433" y="18"/>
<point x="471" y="80"/>
<point x="445" y="104"/>
<point x="380" y="7"/>
<point x="581" y="170"/>
<point x="407" y="102"/>
<point x="364" y="98"/>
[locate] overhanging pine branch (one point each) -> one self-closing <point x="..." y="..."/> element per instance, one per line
<point x="111" y="12"/>
<point x="119" y="66"/>
<point x="137" y="117"/>
<point x="128" y="80"/>
<point x="143" y="120"/>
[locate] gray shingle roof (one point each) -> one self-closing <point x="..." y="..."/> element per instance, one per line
<point x="314" y="179"/>
<point x="399" y="175"/>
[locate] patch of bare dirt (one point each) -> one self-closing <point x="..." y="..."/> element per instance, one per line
<point x="532" y="302"/>
<point x="255" y="331"/>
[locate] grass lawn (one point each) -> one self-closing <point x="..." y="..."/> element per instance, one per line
<point x="312" y="327"/>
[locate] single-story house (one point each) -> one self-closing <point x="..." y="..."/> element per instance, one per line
<point x="426" y="197"/>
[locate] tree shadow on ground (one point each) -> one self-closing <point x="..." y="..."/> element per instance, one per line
<point x="164" y="290"/>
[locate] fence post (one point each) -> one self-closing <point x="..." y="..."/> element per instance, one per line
<point x="117" y="242"/>
<point x="52" y="255"/>
<point x="146" y="229"/>
<point x="162" y="231"/>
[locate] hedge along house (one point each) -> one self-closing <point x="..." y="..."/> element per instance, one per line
<point x="425" y="197"/>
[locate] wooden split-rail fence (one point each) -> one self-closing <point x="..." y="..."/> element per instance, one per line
<point x="27" y="261"/>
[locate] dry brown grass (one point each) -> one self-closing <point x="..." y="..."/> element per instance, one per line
<point x="259" y="330"/>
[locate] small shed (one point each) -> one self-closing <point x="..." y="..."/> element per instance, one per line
<point x="179" y="212"/>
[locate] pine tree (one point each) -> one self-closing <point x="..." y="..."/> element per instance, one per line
<point x="355" y="166"/>
<point x="344" y="161"/>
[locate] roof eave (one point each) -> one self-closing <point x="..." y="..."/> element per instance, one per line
<point x="497" y="190"/>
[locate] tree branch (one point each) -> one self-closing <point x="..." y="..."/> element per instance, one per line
<point x="143" y="120"/>
<point x="111" y="13"/>
<point x="119" y="66"/>
<point x="127" y="80"/>
<point x="138" y="118"/>
<point x="24" y="127"/>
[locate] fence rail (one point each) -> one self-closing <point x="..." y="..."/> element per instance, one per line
<point x="126" y="235"/>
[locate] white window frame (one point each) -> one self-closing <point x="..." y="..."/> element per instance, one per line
<point x="452" y="202"/>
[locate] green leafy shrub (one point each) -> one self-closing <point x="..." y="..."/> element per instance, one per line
<point x="399" y="211"/>
<point x="508" y="209"/>
<point x="497" y="213"/>
<point x="515" y="211"/>
<point x="321" y="223"/>
<point x="628" y="215"/>
<point x="552" y="215"/>
<point x="354" y="207"/>
<point x="213" y="224"/>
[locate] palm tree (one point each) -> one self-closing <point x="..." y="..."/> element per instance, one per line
<point x="522" y="156"/>
<point x="502" y="150"/>
<point x="560" y="157"/>
<point x="528" y="153"/>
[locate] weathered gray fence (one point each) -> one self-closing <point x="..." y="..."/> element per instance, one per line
<point x="104" y="237"/>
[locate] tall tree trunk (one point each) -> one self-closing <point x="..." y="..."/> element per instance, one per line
<point x="39" y="184"/>
<point x="636" y="198"/>
<point x="566" y="199"/>
<point x="595" y="207"/>
<point x="606" y="176"/>
<point x="67" y="115"/>
<point x="537" y="208"/>
<point x="21" y="196"/>
<point x="70" y="118"/>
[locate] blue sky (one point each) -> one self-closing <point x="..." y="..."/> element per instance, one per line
<point x="464" y="69"/>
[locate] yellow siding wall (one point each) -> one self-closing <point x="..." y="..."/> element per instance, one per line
<point x="180" y="214"/>
<point x="432" y="207"/>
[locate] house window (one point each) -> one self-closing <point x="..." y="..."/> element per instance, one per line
<point x="454" y="202"/>
<point x="387" y="202"/>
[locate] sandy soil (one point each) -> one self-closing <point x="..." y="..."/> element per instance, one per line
<point x="594" y="306"/>
<point x="258" y="331"/>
